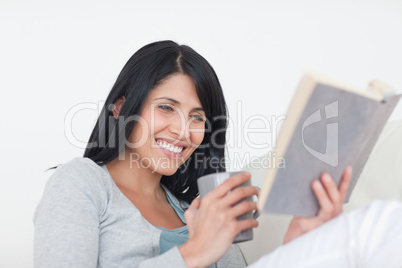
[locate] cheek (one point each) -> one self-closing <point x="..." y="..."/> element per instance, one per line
<point x="197" y="135"/>
<point x="152" y="123"/>
<point x="141" y="130"/>
<point x="158" y="123"/>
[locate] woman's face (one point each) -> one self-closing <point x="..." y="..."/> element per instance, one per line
<point x="170" y="128"/>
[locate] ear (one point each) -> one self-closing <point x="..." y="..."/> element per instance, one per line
<point x="117" y="106"/>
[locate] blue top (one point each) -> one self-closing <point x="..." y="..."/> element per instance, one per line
<point x="175" y="237"/>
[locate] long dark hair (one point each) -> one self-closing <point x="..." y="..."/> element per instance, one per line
<point x="148" y="67"/>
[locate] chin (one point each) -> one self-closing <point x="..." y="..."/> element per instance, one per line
<point x="166" y="171"/>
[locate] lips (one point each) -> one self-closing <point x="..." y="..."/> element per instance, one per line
<point x="170" y="147"/>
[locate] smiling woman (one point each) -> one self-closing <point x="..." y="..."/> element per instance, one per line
<point x="173" y="90"/>
<point x="126" y="203"/>
<point x="162" y="123"/>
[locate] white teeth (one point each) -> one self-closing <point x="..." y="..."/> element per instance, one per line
<point x="170" y="147"/>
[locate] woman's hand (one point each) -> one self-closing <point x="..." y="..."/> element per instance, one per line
<point x="212" y="223"/>
<point x="330" y="198"/>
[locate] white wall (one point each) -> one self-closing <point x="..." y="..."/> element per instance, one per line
<point x="55" y="55"/>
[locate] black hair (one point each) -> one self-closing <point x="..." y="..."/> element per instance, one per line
<point x="147" y="68"/>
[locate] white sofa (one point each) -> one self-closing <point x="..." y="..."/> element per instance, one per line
<point x="380" y="179"/>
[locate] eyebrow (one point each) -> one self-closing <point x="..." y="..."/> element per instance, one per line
<point x="177" y="102"/>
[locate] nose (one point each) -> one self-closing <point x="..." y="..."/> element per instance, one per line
<point x="180" y="127"/>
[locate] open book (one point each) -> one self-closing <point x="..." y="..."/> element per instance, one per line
<point x="328" y="126"/>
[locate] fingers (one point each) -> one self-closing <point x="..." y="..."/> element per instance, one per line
<point x="247" y="224"/>
<point x="243" y="207"/>
<point x="236" y="227"/>
<point x="238" y="194"/>
<point x="329" y="196"/>
<point x="192" y="209"/>
<point x="346" y="178"/>
<point x="331" y="188"/>
<point x="322" y="197"/>
<point x="337" y="194"/>
<point x="228" y="185"/>
<point x="195" y="204"/>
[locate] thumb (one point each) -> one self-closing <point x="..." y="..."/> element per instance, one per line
<point x="192" y="210"/>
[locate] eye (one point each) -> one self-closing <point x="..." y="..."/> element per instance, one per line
<point x="165" y="107"/>
<point x="198" y="117"/>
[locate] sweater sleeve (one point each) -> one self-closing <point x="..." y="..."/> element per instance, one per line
<point x="170" y="259"/>
<point x="67" y="220"/>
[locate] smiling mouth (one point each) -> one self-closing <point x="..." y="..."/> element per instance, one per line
<point x="170" y="147"/>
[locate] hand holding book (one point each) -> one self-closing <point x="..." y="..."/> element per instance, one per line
<point x="329" y="196"/>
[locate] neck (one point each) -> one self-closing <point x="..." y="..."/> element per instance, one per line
<point x="134" y="178"/>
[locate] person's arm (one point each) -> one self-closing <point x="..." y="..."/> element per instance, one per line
<point x="330" y="197"/>
<point x="67" y="220"/>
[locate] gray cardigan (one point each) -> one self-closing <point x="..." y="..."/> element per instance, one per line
<point x="84" y="220"/>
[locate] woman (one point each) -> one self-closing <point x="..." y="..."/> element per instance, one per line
<point x="126" y="203"/>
